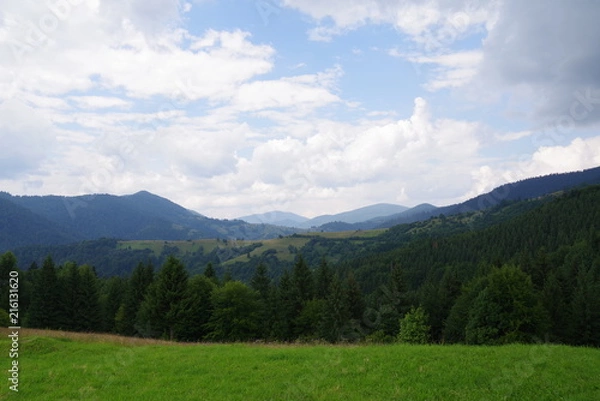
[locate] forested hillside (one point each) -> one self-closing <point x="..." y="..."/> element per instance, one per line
<point x="523" y="271"/>
<point x="51" y="220"/>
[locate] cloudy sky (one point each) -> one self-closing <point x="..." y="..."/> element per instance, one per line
<point x="233" y="107"/>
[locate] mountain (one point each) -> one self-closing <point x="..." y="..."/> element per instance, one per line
<point x="350" y="217"/>
<point x="20" y="226"/>
<point x="520" y="190"/>
<point x="356" y="215"/>
<point x="276" y="218"/>
<point x="60" y="220"/>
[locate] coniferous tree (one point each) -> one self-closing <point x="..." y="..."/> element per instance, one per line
<point x="286" y="308"/>
<point x="45" y="309"/>
<point x="91" y="315"/>
<point x="354" y="298"/>
<point x="585" y="309"/>
<point x="197" y="309"/>
<point x="71" y="294"/>
<point x="335" y="313"/>
<point x="323" y="280"/>
<point x="136" y="289"/>
<point x="303" y="280"/>
<point x="111" y="298"/>
<point x="260" y="281"/>
<point x="210" y="273"/>
<point x="162" y="307"/>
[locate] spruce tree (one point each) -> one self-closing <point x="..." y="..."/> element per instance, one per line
<point x="260" y="281"/>
<point x="46" y="309"/>
<point x="335" y="313"/>
<point x="91" y="314"/>
<point x="303" y="280"/>
<point x="197" y="309"/>
<point x="323" y="280"/>
<point x="162" y="307"/>
<point x="136" y="289"/>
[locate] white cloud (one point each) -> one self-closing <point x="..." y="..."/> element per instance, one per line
<point x="99" y="102"/>
<point x="27" y="139"/>
<point x="432" y="24"/>
<point x="548" y="63"/>
<point x="450" y="70"/>
<point x="579" y="154"/>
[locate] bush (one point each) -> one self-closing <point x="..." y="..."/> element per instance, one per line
<point x="414" y="328"/>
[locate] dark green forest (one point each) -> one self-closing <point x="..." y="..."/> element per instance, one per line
<point x="521" y="271"/>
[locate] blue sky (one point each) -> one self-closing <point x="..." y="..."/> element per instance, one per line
<point x="236" y="107"/>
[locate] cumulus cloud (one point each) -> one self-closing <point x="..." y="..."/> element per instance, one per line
<point x="432" y="24"/>
<point x="27" y="139"/>
<point x="337" y="159"/>
<point x="451" y="70"/>
<point x="579" y="154"/>
<point x="545" y="53"/>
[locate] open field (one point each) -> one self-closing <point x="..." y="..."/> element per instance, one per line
<point x="66" y="366"/>
<point x="281" y="245"/>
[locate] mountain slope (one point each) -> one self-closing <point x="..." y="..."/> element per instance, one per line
<point x="59" y="220"/>
<point x="19" y="226"/>
<point x="520" y="190"/>
<point x="276" y="218"/>
<point x="357" y="215"/>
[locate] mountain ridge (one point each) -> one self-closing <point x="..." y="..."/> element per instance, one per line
<point x="52" y="219"/>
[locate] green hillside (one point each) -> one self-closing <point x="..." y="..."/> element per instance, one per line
<point x="58" y="366"/>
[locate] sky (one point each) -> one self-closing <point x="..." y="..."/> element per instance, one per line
<point x="236" y="107"/>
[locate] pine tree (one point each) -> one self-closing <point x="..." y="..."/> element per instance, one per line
<point x="323" y="280"/>
<point x="210" y="273"/>
<point x="162" y="307"/>
<point x="260" y="281"/>
<point x="335" y="313"/>
<point x="91" y="314"/>
<point x="354" y="298"/>
<point x="71" y="294"/>
<point x="111" y="298"/>
<point x="136" y="289"/>
<point x="45" y="310"/>
<point x="197" y="309"/>
<point x="286" y="308"/>
<point x="303" y="280"/>
<point x="585" y="309"/>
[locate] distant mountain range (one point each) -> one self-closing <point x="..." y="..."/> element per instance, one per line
<point x="387" y="215"/>
<point x="53" y="220"/>
<point x="287" y="219"/>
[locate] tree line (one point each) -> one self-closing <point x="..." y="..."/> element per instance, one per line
<point x="533" y="277"/>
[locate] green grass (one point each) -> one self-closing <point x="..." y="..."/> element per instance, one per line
<point x="80" y="367"/>
<point x="281" y="245"/>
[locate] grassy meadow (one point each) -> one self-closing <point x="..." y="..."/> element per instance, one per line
<point x="69" y="366"/>
<point x="281" y="245"/>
